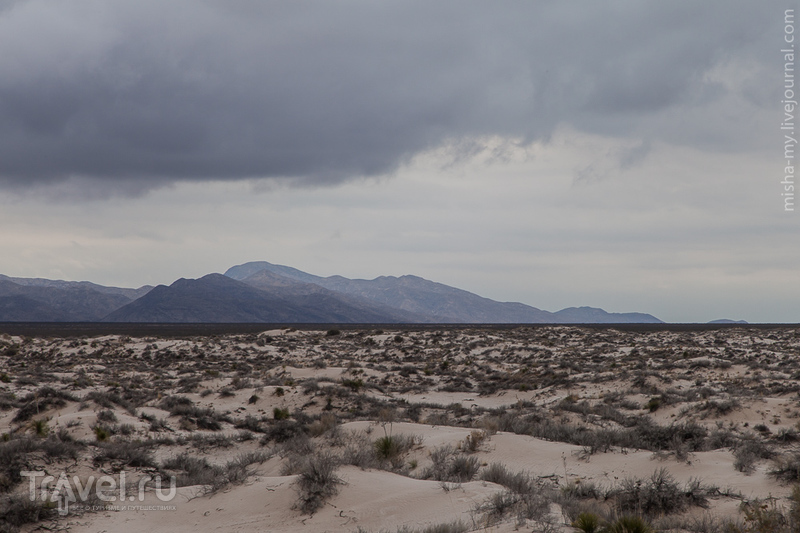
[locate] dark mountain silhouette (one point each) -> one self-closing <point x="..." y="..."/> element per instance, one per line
<point x="347" y="308"/>
<point x="216" y="299"/>
<point x="429" y="301"/>
<point x="594" y="315"/>
<point x="728" y="321"/>
<point x="263" y="292"/>
<point x="59" y="301"/>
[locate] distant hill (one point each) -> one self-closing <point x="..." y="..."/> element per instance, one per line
<point x="36" y="300"/>
<point x="594" y="315"/>
<point x="218" y="299"/>
<point x="262" y="292"/>
<point x="347" y="308"/>
<point x="429" y="301"/>
<point x="728" y="321"/>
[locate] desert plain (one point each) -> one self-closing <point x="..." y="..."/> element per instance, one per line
<point x="455" y="429"/>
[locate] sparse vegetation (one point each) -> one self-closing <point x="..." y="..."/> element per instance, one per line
<point x="207" y="409"/>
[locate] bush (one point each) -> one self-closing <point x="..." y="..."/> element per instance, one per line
<point x="747" y="452"/>
<point x="450" y="466"/>
<point x="41" y="400"/>
<point x="134" y="454"/>
<point x="587" y="522"/>
<point x="18" y="510"/>
<point x="653" y="404"/>
<point x="519" y="483"/>
<point x="787" y="468"/>
<point x="629" y="524"/>
<point x="280" y="413"/>
<point x="659" y="495"/>
<point x="316" y="482"/>
<point x="107" y="415"/>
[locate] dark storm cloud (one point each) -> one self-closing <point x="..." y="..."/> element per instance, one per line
<point x="155" y="92"/>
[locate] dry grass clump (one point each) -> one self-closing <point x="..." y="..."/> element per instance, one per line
<point x="198" y="471"/>
<point x="658" y="495"/>
<point x="317" y="482"/>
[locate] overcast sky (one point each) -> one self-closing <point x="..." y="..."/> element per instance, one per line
<point x="621" y="154"/>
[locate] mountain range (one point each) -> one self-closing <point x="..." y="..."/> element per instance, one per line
<point x="259" y="292"/>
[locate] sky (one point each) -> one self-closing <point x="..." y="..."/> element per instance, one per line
<point x="625" y="154"/>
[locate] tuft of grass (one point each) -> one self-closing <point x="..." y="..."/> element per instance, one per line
<point x="102" y="434"/>
<point x="629" y="524"/>
<point x="587" y="523"/>
<point x="280" y="413"/>
<point x="40" y="427"/>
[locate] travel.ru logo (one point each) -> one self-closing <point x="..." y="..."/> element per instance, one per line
<point x="94" y="492"/>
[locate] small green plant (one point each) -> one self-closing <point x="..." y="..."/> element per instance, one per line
<point x="629" y="524"/>
<point x="40" y="427"/>
<point x="5" y="378"/>
<point x="280" y="413"/>
<point x="102" y="434"/>
<point x="387" y="447"/>
<point x="278" y="391"/>
<point x="354" y="384"/>
<point x="653" y="404"/>
<point x="587" y="522"/>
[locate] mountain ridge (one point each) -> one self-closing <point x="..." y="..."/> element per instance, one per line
<point x="260" y="291"/>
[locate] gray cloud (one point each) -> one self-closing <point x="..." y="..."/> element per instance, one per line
<point x="156" y="92"/>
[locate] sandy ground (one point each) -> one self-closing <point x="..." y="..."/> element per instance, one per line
<point x="581" y="414"/>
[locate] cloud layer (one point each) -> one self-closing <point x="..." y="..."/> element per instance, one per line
<point x="138" y="94"/>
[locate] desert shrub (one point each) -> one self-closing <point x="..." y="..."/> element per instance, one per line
<point x="40" y="427"/>
<point x="13" y="459"/>
<point x="326" y="422"/>
<point x="108" y="400"/>
<point x="194" y="470"/>
<point x="205" y="441"/>
<point x="587" y="523"/>
<point x="171" y="402"/>
<point x="195" y="417"/>
<point x="18" y="510"/>
<point x="106" y="415"/>
<point x="629" y="524"/>
<point x="280" y="413"/>
<point x="41" y="400"/>
<point x="763" y="517"/>
<point x="787" y="468"/>
<point x="127" y="453"/>
<point x="653" y="404"/>
<point x="61" y="445"/>
<point x="198" y="471"/>
<point x="317" y="482"/>
<point x="717" y="408"/>
<point x="101" y="433"/>
<point x="450" y="466"/>
<point x="250" y="423"/>
<point x="359" y="450"/>
<point x="353" y="384"/>
<point x="659" y="495"/>
<point x="519" y="483"/>
<point x="392" y="446"/>
<point x="747" y="452"/>
<point x="283" y="430"/>
<point x="473" y="441"/>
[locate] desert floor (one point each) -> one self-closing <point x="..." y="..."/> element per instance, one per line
<point x="449" y="430"/>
